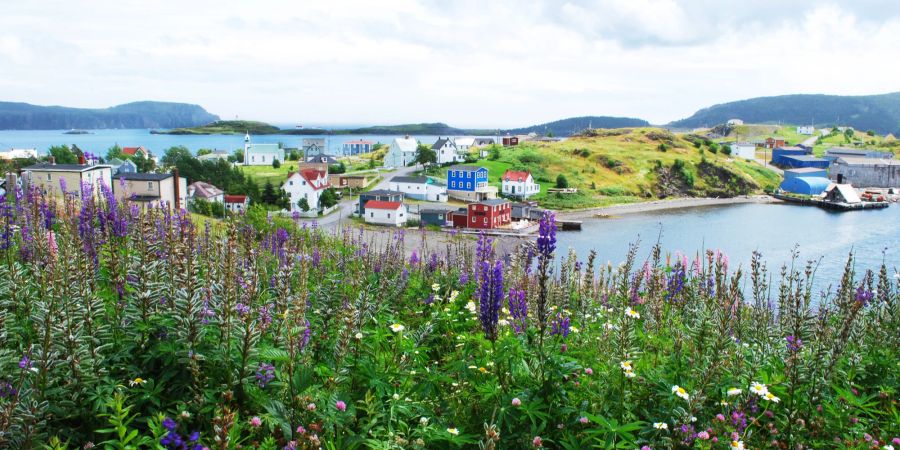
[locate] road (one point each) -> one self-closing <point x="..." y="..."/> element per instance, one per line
<point x="345" y="208"/>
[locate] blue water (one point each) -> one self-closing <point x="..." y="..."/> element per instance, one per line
<point x="738" y="230"/>
<point x="101" y="140"/>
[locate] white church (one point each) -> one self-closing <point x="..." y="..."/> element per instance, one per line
<point x="261" y="154"/>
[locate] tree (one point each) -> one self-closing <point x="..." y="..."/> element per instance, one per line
<point x="337" y="168"/>
<point x="726" y="149"/>
<point x="143" y="163"/>
<point x="63" y="155"/>
<point x="204" y="151"/>
<point x="561" y="181"/>
<point x="276" y="164"/>
<point x="329" y="198"/>
<point x="174" y="155"/>
<point x="114" y="152"/>
<point x="494" y="152"/>
<point x="303" y="204"/>
<point x="269" y="196"/>
<point x="239" y="155"/>
<point x="425" y="155"/>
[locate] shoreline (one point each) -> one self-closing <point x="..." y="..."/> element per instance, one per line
<point x="662" y="205"/>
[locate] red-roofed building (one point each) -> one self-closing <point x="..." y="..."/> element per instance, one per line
<point x="519" y="184"/>
<point x="132" y="151"/>
<point x="382" y="212"/>
<point x="306" y="184"/>
<point x="236" y="203"/>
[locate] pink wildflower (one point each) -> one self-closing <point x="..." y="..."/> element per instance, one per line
<point x="255" y="422"/>
<point x="516" y="402"/>
<point x="537" y="442"/>
<point x="311" y="407"/>
<point x="340" y="405"/>
<point x="589" y="371"/>
<point x="583" y="419"/>
<point x="703" y="435"/>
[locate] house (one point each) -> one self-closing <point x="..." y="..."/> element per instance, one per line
<point x="306" y="184"/>
<point x="798" y="161"/>
<point x="19" y="153"/>
<point x="385" y="213"/>
<point x="834" y="153"/>
<point x="431" y="216"/>
<point x="236" y="203"/>
<point x="866" y="172"/>
<point x="119" y="166"/>
<point x="463" y="144"/>
<point x="420" y="188"/>
<point x="402" y="152"/>
<point x="261" y="154"/>
<point x="487" y="214"/>
<point x="446" y="152"/>
<point x="356" y="147"/>
<point x="774" y="142"/>
<point x="779" y="153"/>
<point x="734" y="122"/>
<point x="327" y="160"/>
<point x="379" y="195"/>
<point x="510" y="141"/>
<point x="314" y="146"/>
<point x="469" y="183"/>
<point x="483" y="142"/>
<point x="745" y="150"/>
<point x="806" y="181"/>
<point x="205" y="191"/>
<point x="216" y="155"/>
<point x="519" y="184"/>
<point x="352" y="181"/>
<point x="526" y="211"/>
<point x="134" y="151"/>
<point x="806" y="130"/>
<point x="156" y="189"/>
<point x="841" y="193"/>
<point x="52" y="177"/>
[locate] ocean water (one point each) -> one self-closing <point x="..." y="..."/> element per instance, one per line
<point x="100" y="140"/>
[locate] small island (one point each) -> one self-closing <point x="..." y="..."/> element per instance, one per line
<point x="77" y="132"/>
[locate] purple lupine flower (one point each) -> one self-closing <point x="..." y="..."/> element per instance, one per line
<point x="5" y="224"/>
<point x="404" y="275"/>
<point x="62" y="185"/>
<point x="264" y="374"/>
<point x="169" y="424"/>
<point x="429" y="300"/>
<point x="490" y="296"/>
<point x="48" y="214"/>
<point x="24" y="363"/>
<point x="560" y="325"/>
<point x="242" y="309"/>
<point x="7" y="389"/>
<point x="413" y="258"/>
<point x="265" y="316"/>
<point x="546" y="241"/>
<point x="484" y="249"/>
<point x="863" y="295"/>
<point x="316" y="257"/>
<point x="433" y="263"/>
<point x="794" y="344"/>
<point x="518" y="309"/>
<point x="304" y="341"/>
<point x="675" y="284"/>
<point x="463" y="278"/>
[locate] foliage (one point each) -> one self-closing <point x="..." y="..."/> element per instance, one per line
<point x="134" y="327"/>
<point x="62" y="154"/>
<point x="425" y="155"/>
<point x="207" y="208"/>
<point x="561" y="181"/>
<point x="276" y="164"/>
<point x="328" y="198"/>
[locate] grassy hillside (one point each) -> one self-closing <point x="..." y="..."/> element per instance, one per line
<point x="630" y="165"/>
<point x="227" y="127"/>
<point x="861" y="139"/>
<point x="574" y="125"/>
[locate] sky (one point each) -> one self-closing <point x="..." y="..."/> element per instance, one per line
<point x="497" y="63"/>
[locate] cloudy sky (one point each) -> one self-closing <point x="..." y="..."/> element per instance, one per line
<point x="467" y="63"/>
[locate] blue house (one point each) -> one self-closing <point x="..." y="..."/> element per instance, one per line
<point x="469" y="183"/>
<point x="779" y="153"/>
<point x="798" y="161"/>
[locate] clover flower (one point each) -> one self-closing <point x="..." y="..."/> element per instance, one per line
<point x="340" y="405"/>
<point x="516" y="402"/>
<point x="255" y="422"/>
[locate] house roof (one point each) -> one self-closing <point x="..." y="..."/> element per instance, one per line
<point x="382" y="192"/>
<point x="467" y="168"/>
<point x="205" y="190"/>
<point x="48" y="167"/>
<point x="464" y="141"/>
<point x="407" y="144"/>
<point x="804" y="170"/>
<point x="847" y="191"/>
<point x="516" y="175"/>
<point x="143" y="176"/>
<point x="806" y="158"/>
<point x="441" y="142"/>
<point x="416" y="180"/>
<point x="434" y="211"/>
<point x="381" y="204"/>
<point x="359" y="142"/>
<point x="264" y="147"/>
<point x="310" y="175"/>
<point x="325" y="159"/>
<point x="115" y="162"/>
<point x="791" y="147"/>
<point x="235" y="198"/>
<point x="862" y="161"/>
<point x="847" y="151"/>
<point x="484" y="141"/>
<point x="493" y="202"/>
<point x="131" y="151"/>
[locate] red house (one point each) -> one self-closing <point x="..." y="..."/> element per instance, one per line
<point x="774" y="142"/>
<point x="487" y="214"/>
<point x="510" y="141"/>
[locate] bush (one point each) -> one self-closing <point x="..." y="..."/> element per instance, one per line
<point x="561" y="181"/>
<point x="276" y="164"/>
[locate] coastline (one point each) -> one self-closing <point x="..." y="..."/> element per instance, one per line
<point x="661" y="205"/>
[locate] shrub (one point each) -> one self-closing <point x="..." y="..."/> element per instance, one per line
<point x="561" y="181"/>
<point x="276" y="164"/>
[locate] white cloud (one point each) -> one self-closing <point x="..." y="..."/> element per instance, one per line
<point x="467" y="63"/>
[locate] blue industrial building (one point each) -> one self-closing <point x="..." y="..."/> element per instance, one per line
<point x="806" y="181"/>
<point x="801" y="161"/>
<point x="779" y="154"/>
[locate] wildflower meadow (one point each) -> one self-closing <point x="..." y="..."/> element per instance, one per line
<point x="127" y="327"/>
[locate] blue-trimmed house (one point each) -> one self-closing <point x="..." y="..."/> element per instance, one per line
<point x="469" y="183"/>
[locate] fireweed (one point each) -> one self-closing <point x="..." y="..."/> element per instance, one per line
<point x="237" y="319"/>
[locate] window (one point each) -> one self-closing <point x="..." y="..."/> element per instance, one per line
<point x="48" y="177"/>
<point x="149" y="185"/>
<point x="252" y="159"/>
<point x="469" y="185"/>
<point x="371" y="214"/>
<point x="389" y="215"/>
<point x="290" y="183"/>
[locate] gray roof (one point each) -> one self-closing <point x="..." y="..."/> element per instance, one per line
<point x="418" y="180"/>
<point x="466" y="168"/>
<point x="440" y="143"/>
<point x="327" y="159"/>
<point x="143" y="176"/>
<point x="434" y="211"/>
<point x="382" y="192"/>
<point x="846" y="151"/>
<point x="804" y="158"/>
<point x="45" y="166"/>
<point x="483" y="141"/>
<point x="494" y="201"/>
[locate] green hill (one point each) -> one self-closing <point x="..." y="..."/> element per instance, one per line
<point x="574" y="125"/>
<point x="226" y="127"/>
<point x="880" y="113"/>
<point x="24" y="116"/>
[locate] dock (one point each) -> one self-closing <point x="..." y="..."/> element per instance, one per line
<point x="569" y="225"/>
<point x="835" y="206"/>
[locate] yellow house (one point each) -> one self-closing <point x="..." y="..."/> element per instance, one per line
<point x="152" y="188"/>
<point x="51" y="177"/>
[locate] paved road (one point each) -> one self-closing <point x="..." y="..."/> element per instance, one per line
<point x="345" y="209"/>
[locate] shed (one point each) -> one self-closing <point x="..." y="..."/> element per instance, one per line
<point x="805" y="185"/>
<point x="437" y="217"/>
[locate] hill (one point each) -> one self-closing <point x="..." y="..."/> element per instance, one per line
<point x="226" y="127"/>
<point x="574" y="125"/>
<point x="880" y="113"/>
<point x="631" y="165"/>
<point x="24" y="116"/>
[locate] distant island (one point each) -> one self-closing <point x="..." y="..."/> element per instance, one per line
<point x="24" y="116"/>
<point x="879" y="113"/>
<point x="77" y="132"/>
<point x="565" y="127"/>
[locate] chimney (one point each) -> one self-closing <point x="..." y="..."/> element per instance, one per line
<point x="177" y="189"/>
<point x="52" y="161"/>
<point x="81" y="159"/>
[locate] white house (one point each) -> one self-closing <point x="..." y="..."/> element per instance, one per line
<point x="200" y="190"/>
<point x="463" y="144"/>
<point x="745" y="150"/>
<point x="19" y="153"/>
<point x="385" y="213"/>
<point x="519" y="184"/>
<point x="419" y="188"/>
<point x="402" y="152"/>
<point x="261" y="154"/>
<point x="446" y="151"/>
<point x="236" y="203"/>
<point x="735" y="122"/>
<point x="306" y="184"/>
<point x="807" y="130"/>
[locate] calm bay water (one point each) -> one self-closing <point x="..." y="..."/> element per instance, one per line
<point x="100" y="140"/>
<point x="738" y="230"/>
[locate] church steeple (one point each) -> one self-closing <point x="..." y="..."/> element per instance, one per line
<point x="247" y="138"/>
